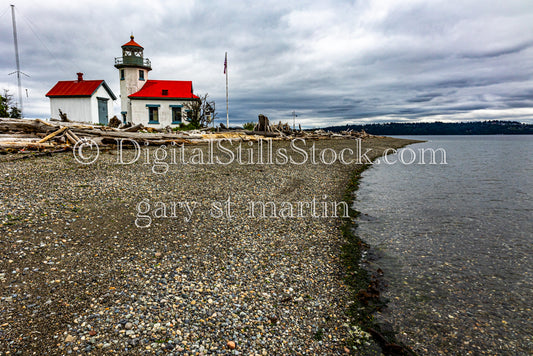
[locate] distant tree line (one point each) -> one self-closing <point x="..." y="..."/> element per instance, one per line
<point x="493" y="127"/>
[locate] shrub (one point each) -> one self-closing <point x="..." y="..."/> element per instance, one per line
<point x="249" y="126"/>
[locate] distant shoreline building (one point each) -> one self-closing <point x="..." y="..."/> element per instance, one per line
<point x="153" y="103"/>
<point x="82" y="100"/>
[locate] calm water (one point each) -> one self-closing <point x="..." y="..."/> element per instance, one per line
<point x="456" y="244"/>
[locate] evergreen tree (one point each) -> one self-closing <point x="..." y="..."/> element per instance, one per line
<point x="7" y="107"/>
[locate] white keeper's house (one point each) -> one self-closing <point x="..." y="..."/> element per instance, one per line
<point x="153" y="103"/>
<point x="82" y="100"/>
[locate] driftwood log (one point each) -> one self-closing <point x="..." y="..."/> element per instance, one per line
<point x="27" y="145"/>
<point x="133" y="128"/>
<point x="53" y="134"/>
<point x="70" y="138"/>
<point x="114" y="122"/>
<point x="263" y="124"/>
<point x="63" y="116"/>
<point x="24" y="126"/>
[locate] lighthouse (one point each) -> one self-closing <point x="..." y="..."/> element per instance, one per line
<point x="152" y="103"/>
<point x="133" y="70"/>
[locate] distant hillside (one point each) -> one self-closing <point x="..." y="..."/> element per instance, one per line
<point x="442" y="128"/>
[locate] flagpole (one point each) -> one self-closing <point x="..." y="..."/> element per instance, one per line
<point x="227" y="103"/>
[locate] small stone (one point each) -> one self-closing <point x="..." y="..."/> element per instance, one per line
<point x="92" y="333"/>
<point x="70" y="338"/>
<point x="158" y="254"/>
<point x="346" y="350"/>
<point x="128" y="326"/>
<point x="231" y="345"/>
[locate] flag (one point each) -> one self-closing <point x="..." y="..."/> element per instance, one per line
<point x="225" y="62"/>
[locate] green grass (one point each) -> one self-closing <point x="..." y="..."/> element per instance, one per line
<point x="186" y="127"/>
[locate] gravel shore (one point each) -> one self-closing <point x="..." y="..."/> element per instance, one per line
<point x="79" y="276"/>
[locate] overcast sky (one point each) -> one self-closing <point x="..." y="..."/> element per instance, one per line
<point x="333" y="62"/>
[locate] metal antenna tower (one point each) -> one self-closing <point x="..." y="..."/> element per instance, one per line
<point x="17" y="56"/>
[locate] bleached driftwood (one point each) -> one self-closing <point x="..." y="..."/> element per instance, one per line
<point x="53" y="134"/>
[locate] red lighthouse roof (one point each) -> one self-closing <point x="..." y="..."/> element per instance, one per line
<point x="165" y="89"/>
<point x="132" y="43"/>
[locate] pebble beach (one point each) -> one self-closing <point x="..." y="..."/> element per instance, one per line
<point x="109" y="258"/>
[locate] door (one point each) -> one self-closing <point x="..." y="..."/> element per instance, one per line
<point x="102" y="111"/>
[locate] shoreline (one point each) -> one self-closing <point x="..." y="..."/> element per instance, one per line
<point x="77" y="274"/>
<point x="366" y="285"/>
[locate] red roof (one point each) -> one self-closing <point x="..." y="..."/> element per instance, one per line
<point x="78" y="88"/>
<point x="132" y="43"/>
<point x="165" y="89"/>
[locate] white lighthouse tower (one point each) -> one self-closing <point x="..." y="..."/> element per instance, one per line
<point x="133" y="71"/>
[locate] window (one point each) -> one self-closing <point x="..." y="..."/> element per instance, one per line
<point x="141" y="74"/>
<point x="153" y="115"/>
<point x="122" y="74"/>
<point x="176" y="115"/>
<point x="189" y="115"/>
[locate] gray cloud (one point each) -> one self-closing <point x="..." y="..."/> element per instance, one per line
<point x="333" y="62"/>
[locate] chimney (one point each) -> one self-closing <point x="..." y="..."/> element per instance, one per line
<point x="80" y="77"/>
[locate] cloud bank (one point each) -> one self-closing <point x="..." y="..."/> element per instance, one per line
<point x="333" y="62"/>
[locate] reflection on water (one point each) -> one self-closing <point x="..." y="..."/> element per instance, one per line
<point x="456" y="242"/>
